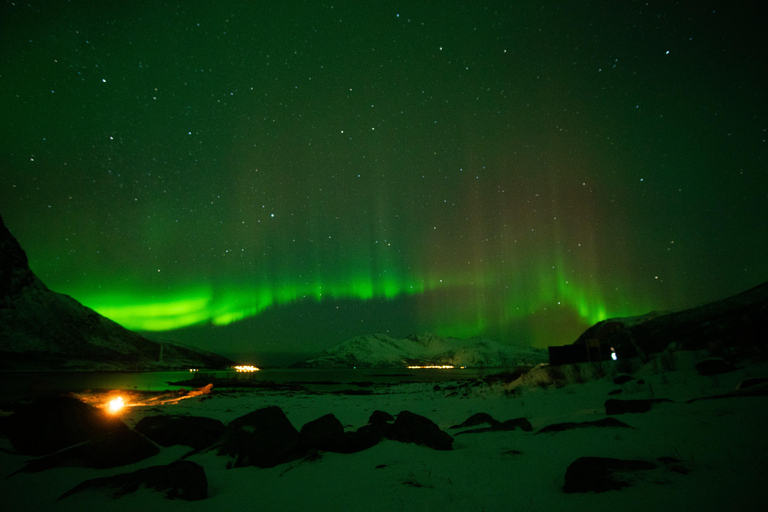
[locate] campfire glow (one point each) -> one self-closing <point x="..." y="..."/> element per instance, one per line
<point x="130" y="398"/>
<point x="115" y="404"/>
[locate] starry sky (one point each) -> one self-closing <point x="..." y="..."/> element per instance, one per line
<point x="262" y="178"/>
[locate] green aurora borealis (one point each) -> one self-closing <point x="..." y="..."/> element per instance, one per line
<point x="255" y="177"/>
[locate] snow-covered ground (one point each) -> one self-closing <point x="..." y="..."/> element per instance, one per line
<point x="722" y="443"/>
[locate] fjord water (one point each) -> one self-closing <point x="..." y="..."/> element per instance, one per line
<point x="26" y="385"/>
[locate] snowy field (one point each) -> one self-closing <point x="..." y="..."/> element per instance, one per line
<point x="721" y="446"/>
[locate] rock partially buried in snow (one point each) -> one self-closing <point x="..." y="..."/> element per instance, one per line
<point x="193" y="431"/>
<point x="605" y="422"/>
<point x="521" y="423"/>
<point x="52" y="423"/>
<point x="614" y="406"/>
<point x="600" y="474"/>
<point x="263" y="438"/>
<point x="379" y="427"/>
<point x="413" y="428"/>
<point x="184" y="480"/>
<point x="477" y="419"/>
<point x="713" y="366"/>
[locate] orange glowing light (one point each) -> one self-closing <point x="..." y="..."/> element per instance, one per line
<point x="433" y="366"/>
<point x="246" y="368"/>
<point x="115" y="404"/>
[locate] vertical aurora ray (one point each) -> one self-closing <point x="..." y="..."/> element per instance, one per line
<point x="456" y="170"/>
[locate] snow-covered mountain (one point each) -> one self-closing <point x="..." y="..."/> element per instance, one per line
<point x="382" y="351"/>
<point x="44" y="330"/>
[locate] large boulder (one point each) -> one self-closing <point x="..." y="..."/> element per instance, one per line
<point x="182" y="480"/>
<point x="195" y="431"/>
<point x="413" y="428"/>
<point x="118" y="448"/>
<point x="52" y="423"/>
<point x="263" y="438"/>
<point x="325" y="433"/>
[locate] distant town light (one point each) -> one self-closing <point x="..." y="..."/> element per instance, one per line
<point x="433" y="366"/>
<point x="246" y="368"/>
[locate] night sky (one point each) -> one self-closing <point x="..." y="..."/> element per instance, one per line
<point x="263" y="177"/>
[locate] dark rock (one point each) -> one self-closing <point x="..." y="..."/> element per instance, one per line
<point x="194" y="431"/>
<point x="477" y="419"/>
<point x="713" y="366"/>
<point x="263" y="438"/>
<point x="744" y="393"/>
<point x="622" y="379"/>
<point x="380" y="417"/>
<point x="748" y="383"/>
<point x="614" y="406"/>
<point x="600" y="474"/>
<point x="367" y="436"/>
<point x="379" y="427"/>
<point x="413" y="428"/>
<point x="521" y="423"/>
<point x="325" y="433"/>
<point x="674" y="464"/>
<point x="50" y="424"/>
<point x="616" y="392"/>
<point x="182" y="480"/>
<point x="356" y="392"/>
<point x="603" y="423"/>
<point x="110" y="450"/>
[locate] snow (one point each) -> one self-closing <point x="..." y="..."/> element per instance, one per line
<point x="382" y="351"/>
<point x="721" y="442"/>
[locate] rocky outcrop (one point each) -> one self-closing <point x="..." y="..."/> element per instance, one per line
<point x="735" y="325"/>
